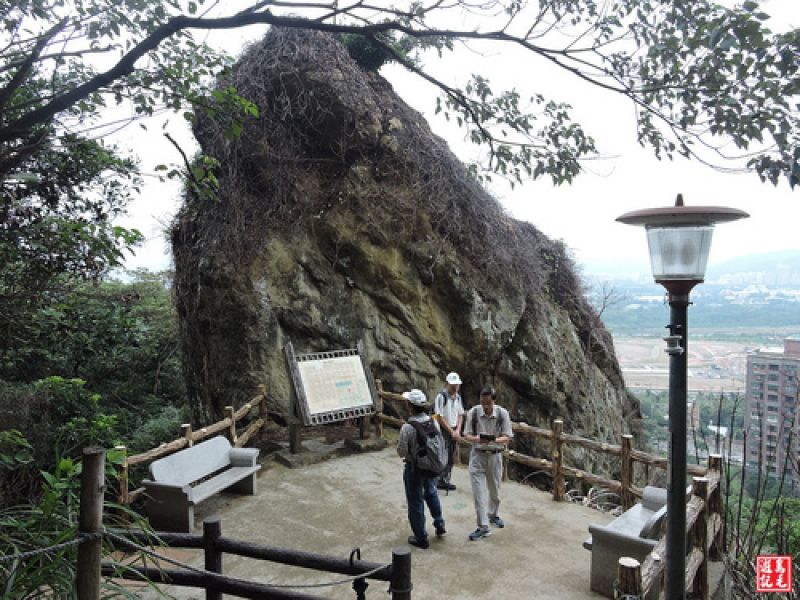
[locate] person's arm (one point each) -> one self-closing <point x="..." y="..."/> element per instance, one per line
<point x="437" y="413"/>
<point x="402" y="442"/>
<point x="457" y="429"/>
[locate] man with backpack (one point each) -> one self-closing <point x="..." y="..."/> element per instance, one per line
<point x="424" y="451"/>
<point x="449" y="411"/>
<point x="488" y="427"/>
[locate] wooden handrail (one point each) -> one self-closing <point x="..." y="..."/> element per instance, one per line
<point x="703" y="528"/>
<point x="628" y="455"/>
<point x="703" y="509"/>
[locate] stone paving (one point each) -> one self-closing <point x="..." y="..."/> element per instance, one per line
<point x="357" y="501"/>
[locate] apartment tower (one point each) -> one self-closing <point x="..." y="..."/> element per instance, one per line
<point x="771" y="417"/>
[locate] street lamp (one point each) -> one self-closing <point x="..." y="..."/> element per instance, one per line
<point x="679" y="238"/>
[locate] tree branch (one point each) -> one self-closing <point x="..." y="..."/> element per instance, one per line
<point x="126" y="64"/>
<point x="26" y="65"/>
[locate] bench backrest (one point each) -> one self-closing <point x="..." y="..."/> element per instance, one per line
<point x="191" y="464"/>
<point x="653" y="498"/>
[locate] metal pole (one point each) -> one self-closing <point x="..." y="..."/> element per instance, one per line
<point x="675" y="577"/>
<point x="400" y="585"/>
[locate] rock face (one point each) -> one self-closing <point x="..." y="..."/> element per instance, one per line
<point x="341" y="218"/>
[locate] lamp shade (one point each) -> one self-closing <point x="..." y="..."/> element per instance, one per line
<point x="679" y="252"/>
<point x="679" y="238"/>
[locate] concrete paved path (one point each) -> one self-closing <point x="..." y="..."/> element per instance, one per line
<point x="358" y="501"/>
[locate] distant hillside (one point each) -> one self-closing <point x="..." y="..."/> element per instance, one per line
<point x="770" y="268"/>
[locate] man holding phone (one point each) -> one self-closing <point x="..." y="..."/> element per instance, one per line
<point x="488" y="427"/>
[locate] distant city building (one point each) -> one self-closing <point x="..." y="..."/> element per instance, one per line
<point x="772" y="419"/>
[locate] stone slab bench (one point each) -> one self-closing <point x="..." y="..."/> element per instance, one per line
<point x="634" y="533"/>
<point x="181" y="480"/>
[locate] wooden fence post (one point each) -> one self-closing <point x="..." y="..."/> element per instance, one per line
<point x="363" y="427"/>
<point x="715" y="508"/>
<point x="400" y="586"/>
<point x="626" y="472"/>
<point x="229" y="414"/>
<point x="629" y="578"/>
<point x="699" y="539"/>
<point x="186" y="432"/>
<point x="379" y="409"/>
<point x="556" y="446"/>
<point x="122" y="476"/>
<point x="212" y="531"/>
<point x="262" y="412"/>
<point x="90" y="521"/>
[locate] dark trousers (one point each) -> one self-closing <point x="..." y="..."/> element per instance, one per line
<point x="452" y="446"/>
<point x="419" y="492"/>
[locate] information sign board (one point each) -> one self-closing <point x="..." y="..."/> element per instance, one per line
<point x="331" y="386"/>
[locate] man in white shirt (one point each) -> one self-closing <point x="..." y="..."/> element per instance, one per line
<point x="488" y="427"/>
<point x="448" y="409"/>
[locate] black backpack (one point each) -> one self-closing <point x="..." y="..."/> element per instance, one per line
<point x="429" y="454"/>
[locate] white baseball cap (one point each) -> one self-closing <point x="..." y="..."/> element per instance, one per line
<point x="416" y="397"/>
<point x="453" y="379"/>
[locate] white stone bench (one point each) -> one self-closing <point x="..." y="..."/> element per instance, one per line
<point x="181" y="480"/>
<point x="634" y="533"/>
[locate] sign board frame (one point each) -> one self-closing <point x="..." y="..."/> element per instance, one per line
<point x="303" y="397"/>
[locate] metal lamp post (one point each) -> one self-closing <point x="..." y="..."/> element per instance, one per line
<point x="679" y="239"/>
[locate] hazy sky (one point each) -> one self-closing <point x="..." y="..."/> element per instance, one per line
<point x="582" y="214"/>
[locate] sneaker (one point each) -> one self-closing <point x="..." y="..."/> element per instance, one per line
<point x="441" y="532"/>
<point x="479" y="533"/>
<point x="497" y="522"/>
<point x="442" y="485"/>
<point x="419" y="544"/>
<point x="450" y="486"/>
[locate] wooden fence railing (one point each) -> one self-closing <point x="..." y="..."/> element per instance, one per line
<point x="555" y="465"/>
<point x="703" y="510"/>
<point x="188" y="437"/>
<point x="704" y="534"/>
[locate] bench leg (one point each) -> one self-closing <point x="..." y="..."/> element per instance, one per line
<point x="163" y="517"/>
<point x="245" y="486"/>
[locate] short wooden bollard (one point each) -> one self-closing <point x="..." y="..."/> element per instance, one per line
<point x="629" y="578"/>
<point x="90" y="521"/>
<point x="212" y="531"/>
<point x="400" y="585"/>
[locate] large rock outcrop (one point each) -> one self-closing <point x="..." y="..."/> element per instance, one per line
<point x="341" y="218"/>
